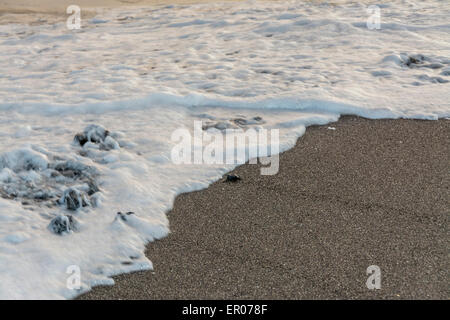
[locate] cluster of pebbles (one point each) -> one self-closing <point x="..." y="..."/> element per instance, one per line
<point x="37" y="179"/>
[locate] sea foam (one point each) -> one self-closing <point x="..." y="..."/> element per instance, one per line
<point x="144" y="73"/>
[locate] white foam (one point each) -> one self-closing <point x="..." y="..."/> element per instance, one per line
<point x="293" y="63"/>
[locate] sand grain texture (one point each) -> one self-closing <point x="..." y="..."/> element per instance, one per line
<point x="369" y="192"/>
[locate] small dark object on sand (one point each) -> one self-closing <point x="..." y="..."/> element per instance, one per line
<point x="123" y="216"/>
<point x="62" y="224"/>
<point x="232" y="178"/>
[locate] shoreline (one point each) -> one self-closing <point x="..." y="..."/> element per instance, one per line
<point x="33" y="12"/>
<point x="49" y="6"/>
<point x="369" y="192"/>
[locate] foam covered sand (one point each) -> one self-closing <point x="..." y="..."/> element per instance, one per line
<point x="144" y="73"/>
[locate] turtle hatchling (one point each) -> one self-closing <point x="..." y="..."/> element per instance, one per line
<point x="232" y="178"/>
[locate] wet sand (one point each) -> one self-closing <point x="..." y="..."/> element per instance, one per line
<point x="370" y="192"/>
<point x="51" y="11"/>
<point x="61" y="5"/>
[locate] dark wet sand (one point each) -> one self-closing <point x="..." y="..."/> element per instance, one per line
<point x="369" y="192"/>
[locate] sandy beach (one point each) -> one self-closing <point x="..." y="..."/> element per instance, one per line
<point x="48" y="11"/>
<point x="350" y="194"/>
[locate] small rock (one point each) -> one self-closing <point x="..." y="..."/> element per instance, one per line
<point x="63" y="224"/>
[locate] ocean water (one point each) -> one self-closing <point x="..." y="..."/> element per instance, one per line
<point x="144" y="73"/>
